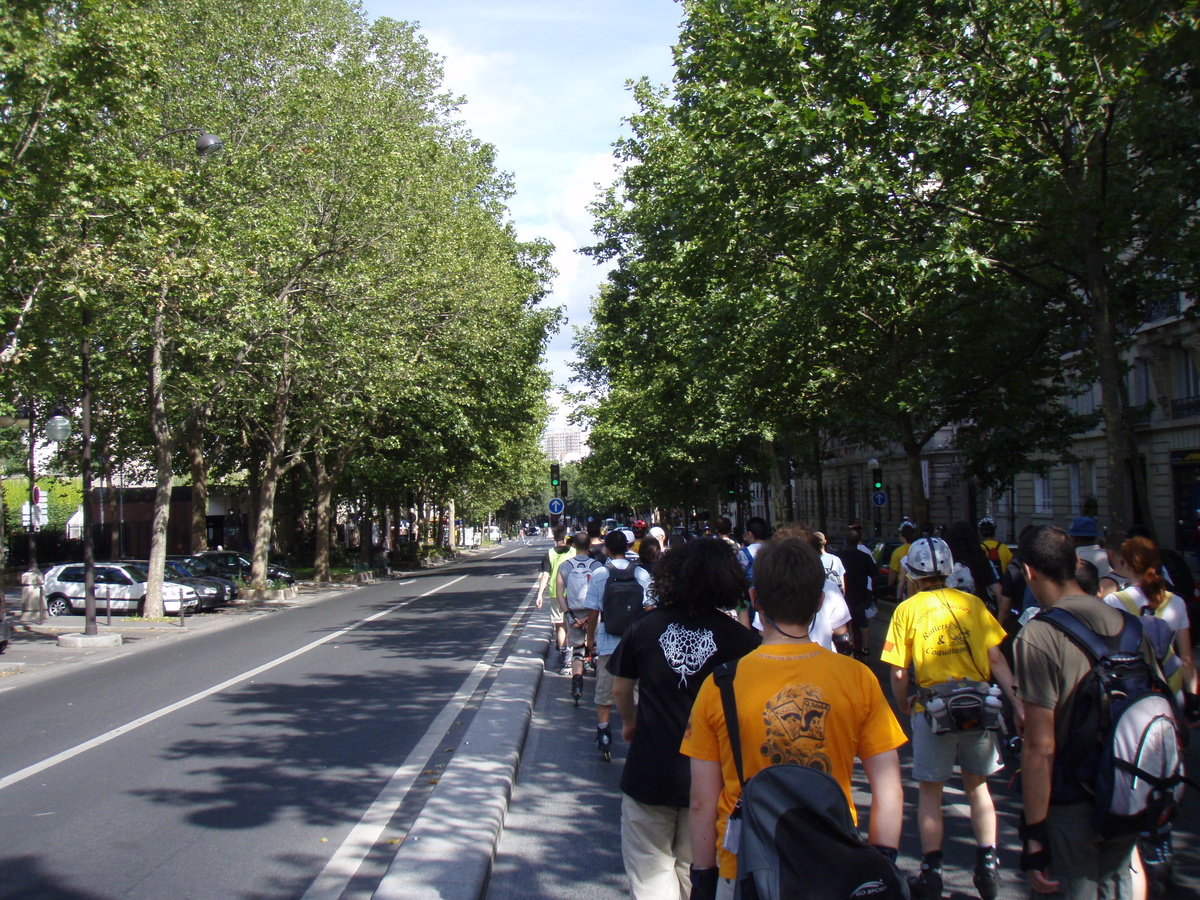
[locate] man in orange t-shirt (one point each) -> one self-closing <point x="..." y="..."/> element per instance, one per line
<point x="797" y="703"/>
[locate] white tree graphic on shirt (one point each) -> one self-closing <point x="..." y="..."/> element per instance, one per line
<point x="686" y="651"/>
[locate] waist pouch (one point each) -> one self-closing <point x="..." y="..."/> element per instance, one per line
<point x="962" y="706"/>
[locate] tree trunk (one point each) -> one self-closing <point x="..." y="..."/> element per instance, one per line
<point x="916" y="484"/>
<point x="272" y="470"/>
<point x="111" y="516"/>
<point x="776" y="506"/>
<point x="199" y="466"/>
<point x="323" y="484"/>
<point x="365" y="528"/>
<point x="1120" y="443"/>
<point x="164" y="446"/>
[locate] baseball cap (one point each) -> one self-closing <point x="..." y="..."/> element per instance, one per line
<point x="1083" y="526"/>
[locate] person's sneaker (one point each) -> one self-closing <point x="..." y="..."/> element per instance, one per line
<point x="576" y="688"/>
<point x="927" y="885"/>
<point x="604" y="742"/>
<point x="564" y="661"/>
<point x="987" y="875"/>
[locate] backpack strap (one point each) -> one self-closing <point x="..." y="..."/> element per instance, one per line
<point x="723" y="679"/>
<point x="1096" y="647"/>
<point x="1127" y="601"/>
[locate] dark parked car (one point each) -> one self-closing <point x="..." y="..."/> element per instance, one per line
<point x="210" y="592"/>
<point x="195" y="567"/>
<point x="228" y="563"/>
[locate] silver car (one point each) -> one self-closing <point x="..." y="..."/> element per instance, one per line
<point x="119" y="586"/>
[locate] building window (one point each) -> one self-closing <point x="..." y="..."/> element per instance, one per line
<point x="1076" y="490"/>
<point x="1187" y="377"/>
<point x="1003" y="502"/>
<point x="1043" y="499"/>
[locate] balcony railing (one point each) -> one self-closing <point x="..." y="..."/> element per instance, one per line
<point x="1184" y="407"/>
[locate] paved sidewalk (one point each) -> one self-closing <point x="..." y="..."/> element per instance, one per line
<point x="561" y="839"/>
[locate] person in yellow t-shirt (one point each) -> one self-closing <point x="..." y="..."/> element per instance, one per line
<point x="797" y="703"/>
<point x="998" y="553"/>
<point x="908" y="531"/>
<point x="948" y="635"/>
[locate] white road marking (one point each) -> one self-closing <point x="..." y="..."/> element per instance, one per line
<point x="347" y="859"/>
<point x="402" y="583"/>
<point x="506" y="552"/>
<point x="72" y="752"/>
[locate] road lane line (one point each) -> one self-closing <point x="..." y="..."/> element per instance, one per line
<point x="72" y="752"/>
<point x="348" y="858"/>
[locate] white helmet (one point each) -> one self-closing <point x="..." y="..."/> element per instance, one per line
<point x="929" y="556"/>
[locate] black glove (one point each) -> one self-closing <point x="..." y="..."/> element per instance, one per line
<point x="1191" y="707"/>
<point x="704" y="883"/>
<point x="1038" y="861"/>
<point x="889" y="853"/>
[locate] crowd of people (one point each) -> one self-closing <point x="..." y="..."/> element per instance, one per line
<point x="969" y="661"/>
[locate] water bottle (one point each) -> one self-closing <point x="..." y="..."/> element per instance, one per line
<point x="935" y="709"/>
<point x="992" y="708"/>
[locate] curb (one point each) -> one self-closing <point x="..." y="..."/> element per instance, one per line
<point x="449" y="850"/>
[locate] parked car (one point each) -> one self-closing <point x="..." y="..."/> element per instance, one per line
<point x="195" y="567"/>
<point x="119" y="586"/>
<point x="210" y="592"/>
<point x="226" y="562"/>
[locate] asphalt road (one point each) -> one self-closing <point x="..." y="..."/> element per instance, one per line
<point x="238" y="763"/>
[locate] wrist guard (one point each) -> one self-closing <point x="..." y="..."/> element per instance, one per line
<point x="1038" y="860"/>
<point x="1191" y="706"/>
<point x="844" y="644"/>
<point x="889" y="853"/>
<point x="704" y="883"/>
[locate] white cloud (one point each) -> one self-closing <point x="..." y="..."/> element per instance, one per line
<point x="544" y="82"/>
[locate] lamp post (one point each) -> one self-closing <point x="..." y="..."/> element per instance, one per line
<point x="877" y="483"/>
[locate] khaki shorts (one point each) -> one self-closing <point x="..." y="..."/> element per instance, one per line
<point x="576" y="637"/>
<point x="556" y="613"/>
<point x="933" y="755"/>
<point x="604" y="681"/>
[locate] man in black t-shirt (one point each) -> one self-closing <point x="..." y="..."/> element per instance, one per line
<point x="667" y="654"/>
<point x="859" y="569"/>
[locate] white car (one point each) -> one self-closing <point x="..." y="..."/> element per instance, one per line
<point x="119" y="585"/>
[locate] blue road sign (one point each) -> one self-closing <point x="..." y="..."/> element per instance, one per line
<point x="879" y="498"/>
<point x="555" y="506"/>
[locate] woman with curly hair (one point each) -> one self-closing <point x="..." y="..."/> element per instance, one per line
<point x="667" y="654"/>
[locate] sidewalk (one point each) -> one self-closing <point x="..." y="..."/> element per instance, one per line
<point x="561" y="838"/>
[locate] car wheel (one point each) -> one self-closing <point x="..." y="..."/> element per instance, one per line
<point x="58" y="605"/>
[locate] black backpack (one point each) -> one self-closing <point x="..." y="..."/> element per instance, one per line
<point x="621" y="604"/>
<point x="797" y="838"/>
<point x="1126" y="749"/>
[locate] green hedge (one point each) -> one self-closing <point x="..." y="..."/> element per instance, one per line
<point x="63" y="498"/>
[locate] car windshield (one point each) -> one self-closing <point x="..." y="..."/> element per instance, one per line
<point x="199" y="565"/>
<point x="137" y="573"/>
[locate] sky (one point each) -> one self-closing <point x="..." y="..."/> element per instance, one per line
<point x="545" y="83"/>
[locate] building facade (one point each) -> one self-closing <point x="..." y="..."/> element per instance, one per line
<point x="1163" y="385"/>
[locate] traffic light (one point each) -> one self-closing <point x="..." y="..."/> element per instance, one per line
<point x="563" y="490"/>
<point x="554" y="474"/>
<point x="731" y="485"/>
<point x="877" y="477"/>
